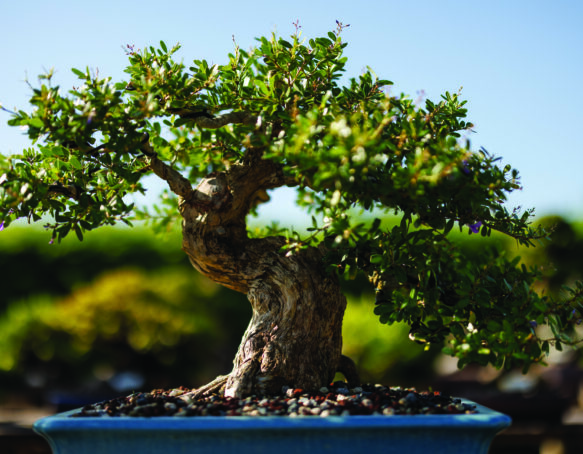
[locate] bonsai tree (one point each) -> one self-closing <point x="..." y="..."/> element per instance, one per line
<point x="222" y="136"/>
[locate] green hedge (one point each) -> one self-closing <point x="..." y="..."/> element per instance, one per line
<point x="171" y="325"/>
<point x="31" y="266"/>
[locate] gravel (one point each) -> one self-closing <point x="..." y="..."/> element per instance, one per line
<point x="335" y="400"/>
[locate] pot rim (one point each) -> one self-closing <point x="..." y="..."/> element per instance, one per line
<point x="484" y="417"/>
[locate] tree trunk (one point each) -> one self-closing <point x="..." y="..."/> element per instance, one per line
<point x="295" y="334"/>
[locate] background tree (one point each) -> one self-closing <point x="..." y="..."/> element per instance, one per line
<point x="221" y="136"/>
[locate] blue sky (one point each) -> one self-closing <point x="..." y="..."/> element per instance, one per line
<point x="519" y="62"/>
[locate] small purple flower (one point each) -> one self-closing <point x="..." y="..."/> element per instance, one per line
<point x="476" y="227"/>
<point x="1" y="226"/>
<point x="52" y="241"/>
<point x="465" y="167"/>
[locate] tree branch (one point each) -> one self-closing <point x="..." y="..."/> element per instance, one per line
<point x="71" y="191"/>
<point x="212" y="193"/>
<point x="204" y="119"/>
<point x="179" y="185"/>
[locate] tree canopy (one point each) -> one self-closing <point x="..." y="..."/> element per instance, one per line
<point x="347" y="144"/>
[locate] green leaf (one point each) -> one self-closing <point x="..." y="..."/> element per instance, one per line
<point x="79" y="73"/>
<point x="163" y="46"/>
<point x="508" y="286"/>
<point x="448" y="351"/>
<point x="448" y="226"/>
<point x="78" y="232"/>
<point x="75" y="163"/>
<point x="376" y="259"/>
<point x="493" y="326"/>
<point x="285" y="43"/>
<point x="375" y="225"/>
<point x="36" y="122"/>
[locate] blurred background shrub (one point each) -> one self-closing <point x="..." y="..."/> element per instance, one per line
<point x="125" y="310"/>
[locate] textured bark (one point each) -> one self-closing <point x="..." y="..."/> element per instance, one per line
<point x="294" y="337"/>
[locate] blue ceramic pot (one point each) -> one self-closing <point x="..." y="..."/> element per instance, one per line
<point x="273" y="434"/>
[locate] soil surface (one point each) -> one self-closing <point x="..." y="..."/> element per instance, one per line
<point x="335" y="400"/>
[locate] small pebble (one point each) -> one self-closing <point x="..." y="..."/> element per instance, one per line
<point x="333" y="400"/>
<point x="293" y="408"/>
<point x="411" y="399"/>
<point x="170" y="406"/>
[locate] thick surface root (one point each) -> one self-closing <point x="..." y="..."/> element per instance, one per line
<point x="217" y="386"/>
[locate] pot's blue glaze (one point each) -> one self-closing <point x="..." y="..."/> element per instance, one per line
<point x="274" y="435"/>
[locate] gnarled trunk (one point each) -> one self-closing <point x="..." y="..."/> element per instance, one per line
<point x="294" y="337"/>
<point x="295" y="334"/>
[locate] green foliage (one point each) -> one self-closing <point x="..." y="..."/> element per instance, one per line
<point x="22" y="324"/>
<point x="559" y="258"/>
<point x="383" y="354"/>
<point x="347" y="148"/>
<point x="26" y="256"/>
<point x="125" y="320"/>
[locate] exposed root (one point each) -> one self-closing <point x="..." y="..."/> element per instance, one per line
<point x="346" y="367"/>
<point x="217" y="386"/>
